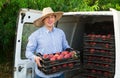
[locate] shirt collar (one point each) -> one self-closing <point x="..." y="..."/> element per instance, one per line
<point x="46" y="30"/>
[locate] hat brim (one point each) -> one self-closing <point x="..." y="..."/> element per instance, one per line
<point x="39" y="21"/>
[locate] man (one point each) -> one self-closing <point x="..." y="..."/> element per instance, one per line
<point x="46" y="40"/>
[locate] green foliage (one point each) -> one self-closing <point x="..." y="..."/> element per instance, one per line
<point x="9" y="10"/>
<point x="8" y="16"/>
<point x="2" y="3"/>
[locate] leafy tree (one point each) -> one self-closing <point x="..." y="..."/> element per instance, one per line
<point x="9" y="10"/>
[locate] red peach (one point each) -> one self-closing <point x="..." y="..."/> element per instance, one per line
<point x="58" y="67"/>
<point x="108" y="36"/>
<point x="54" y="68"/>
<point x="64" y="65"/>
<point x="52" y="59"/>
<point x="92" y="50"/>
<point x="60" y="57"/>
<point x="70" y="65"/>
<point x="93" y="71"/>
<point x="50" y="55"/>
<point x="56" y="55"/>
<point x="106" y="45"/>
<point x="67" y="56"/>
<point x="45" y="56"/>
<point x="65" y="52"/>
<point x="104" y="37"/>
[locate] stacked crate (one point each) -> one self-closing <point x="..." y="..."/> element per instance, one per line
<point x="60" y="62"/>
<point x="99" y="55"/>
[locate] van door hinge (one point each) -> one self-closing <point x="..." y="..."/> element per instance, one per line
<point x="22" y="17"/>
<point x="20" y="68"/>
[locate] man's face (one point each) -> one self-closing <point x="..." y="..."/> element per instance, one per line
<point x="49" y="21"/>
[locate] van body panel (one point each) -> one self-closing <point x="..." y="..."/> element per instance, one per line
<point x="116" y="15"/>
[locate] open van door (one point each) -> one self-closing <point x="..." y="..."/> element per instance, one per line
<point x="116" y="17"/>
<point x="23" y="67"/>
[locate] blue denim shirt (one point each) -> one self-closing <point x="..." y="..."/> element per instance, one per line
<point x="46" y="42"/>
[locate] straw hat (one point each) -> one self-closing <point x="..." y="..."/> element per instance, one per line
<point x="45" y="13"/>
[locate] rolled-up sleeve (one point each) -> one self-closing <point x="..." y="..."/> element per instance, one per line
<point x="31" y="47"/>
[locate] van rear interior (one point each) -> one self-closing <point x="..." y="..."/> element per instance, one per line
<point x="93" y="36"/>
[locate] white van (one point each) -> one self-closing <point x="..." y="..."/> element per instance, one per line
<point x="76" y="25"/>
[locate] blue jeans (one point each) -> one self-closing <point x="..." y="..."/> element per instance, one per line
<point x="61" y="76"/>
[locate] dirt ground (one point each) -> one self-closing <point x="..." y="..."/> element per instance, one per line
<point x="6" y="70"/>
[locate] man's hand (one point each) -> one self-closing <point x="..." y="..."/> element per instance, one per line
<point x="37" y="60"/>
<point x="69" y="49"/>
